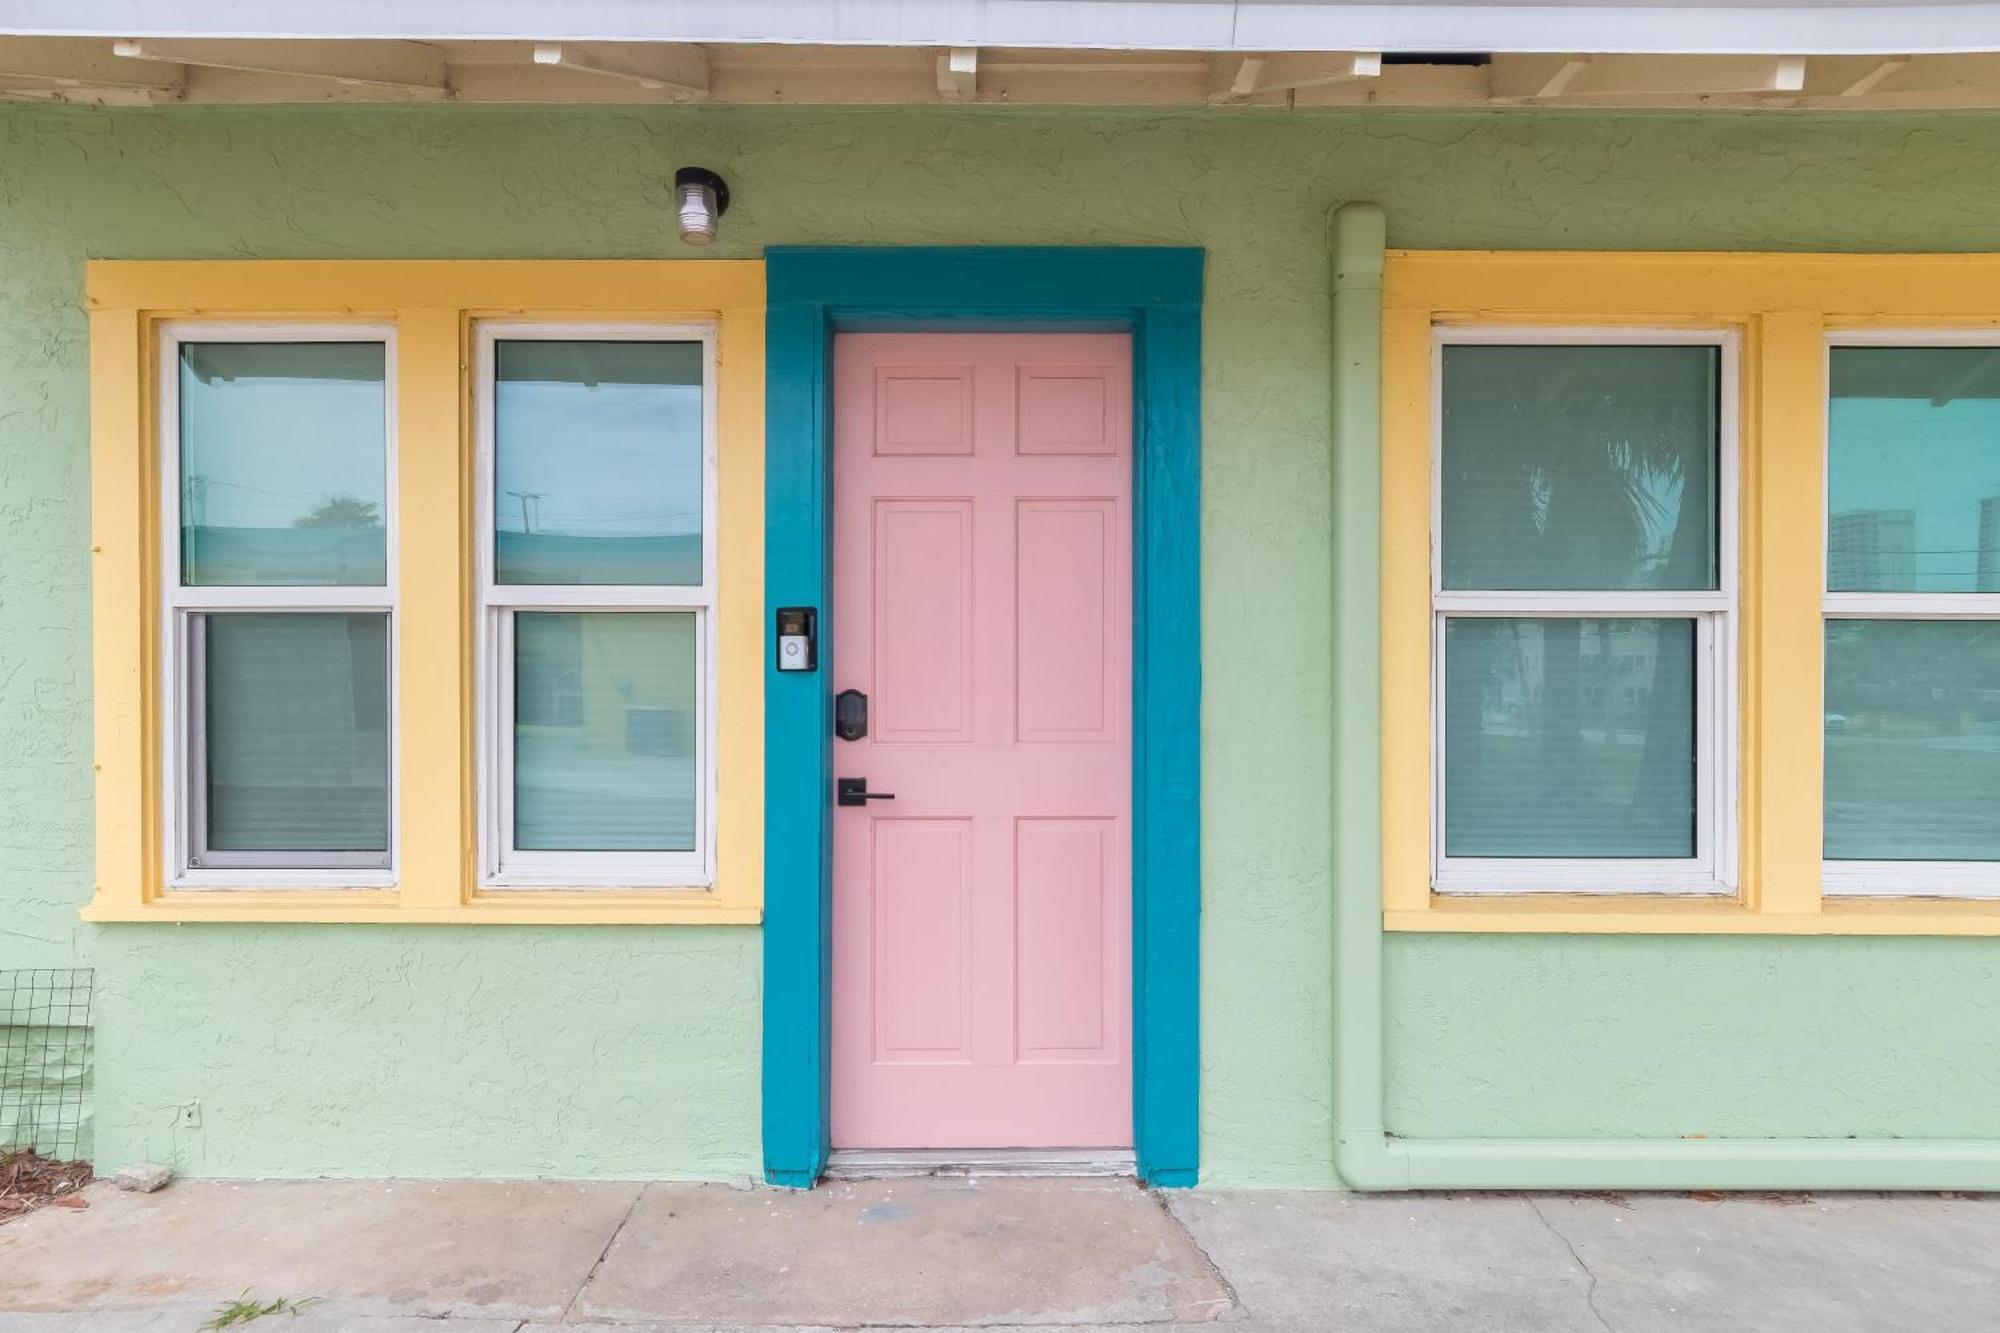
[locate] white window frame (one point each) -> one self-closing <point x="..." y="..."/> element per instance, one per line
<point x="1712" y="870"/>
<point x="188" y="863"/>
<point x="501" y="867"/>
<point x="1896" y="879"/>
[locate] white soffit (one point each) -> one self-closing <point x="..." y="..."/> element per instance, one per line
<point x="1664" y="27"/>
<point x="1778" y="55"/>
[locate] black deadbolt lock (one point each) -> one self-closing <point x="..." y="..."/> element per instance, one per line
<point x="850" y="715"/>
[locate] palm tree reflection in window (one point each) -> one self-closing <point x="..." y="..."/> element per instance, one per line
<point x="1575" y="468"/>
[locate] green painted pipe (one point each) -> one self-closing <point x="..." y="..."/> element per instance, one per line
<point x="1358" y="237"/>
<point x="1365" y="1154"/>
<point x="1672" y="1164"/>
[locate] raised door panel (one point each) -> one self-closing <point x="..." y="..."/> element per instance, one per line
<point x="1065" y="600"/>
<point x="920" y="941"/>
<point x="923" y="410"/>
<point x="923" y="570"/>
<point x="1063" y="888"/>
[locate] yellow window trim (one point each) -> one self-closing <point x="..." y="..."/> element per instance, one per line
<point x="433" y="305"/>
<point x="1782" y="307"/>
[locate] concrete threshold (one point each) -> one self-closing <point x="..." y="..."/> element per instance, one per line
<point x="885" y="1164"/>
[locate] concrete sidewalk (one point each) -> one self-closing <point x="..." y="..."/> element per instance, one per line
<point x="511" y="1257"/>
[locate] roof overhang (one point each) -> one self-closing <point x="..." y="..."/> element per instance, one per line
<point x="1845" y="54"/>
<point x="1665" y="27"/>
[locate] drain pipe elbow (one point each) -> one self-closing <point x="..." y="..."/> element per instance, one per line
<point x="1370" y="1162"/>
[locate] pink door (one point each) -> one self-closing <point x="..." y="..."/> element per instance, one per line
<point x="982" y="920"/>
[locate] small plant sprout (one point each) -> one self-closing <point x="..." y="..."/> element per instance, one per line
<point x="247" y="1307"/>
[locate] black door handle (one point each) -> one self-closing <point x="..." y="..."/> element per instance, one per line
<point x="854" y="791"/>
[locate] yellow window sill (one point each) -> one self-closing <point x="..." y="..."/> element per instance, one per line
<point x="553" y="907"/>
<point x="1585" y="914"/>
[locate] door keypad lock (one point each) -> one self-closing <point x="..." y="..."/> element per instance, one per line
<point x="854" y="791"/>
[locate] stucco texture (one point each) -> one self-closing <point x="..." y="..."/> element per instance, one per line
<point x="621" y="1051"/>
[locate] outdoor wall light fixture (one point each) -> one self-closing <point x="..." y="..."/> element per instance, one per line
<point x="700" y="200"/>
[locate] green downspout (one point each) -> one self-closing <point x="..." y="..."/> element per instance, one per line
<point x="1358" y="237"/>
<point x="1365" y="1154"/>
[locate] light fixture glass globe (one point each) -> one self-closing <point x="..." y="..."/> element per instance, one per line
<point x="695" y="212"/>
<point x="700" y="199"/>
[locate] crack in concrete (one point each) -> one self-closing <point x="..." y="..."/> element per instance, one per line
<point x="1590" y="1292"/>
<point x="1236" y="1307"/>
<point x="602" y="1255"/>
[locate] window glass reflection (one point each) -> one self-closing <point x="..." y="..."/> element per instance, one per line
<point x="604" y="731"/>
<point x="1913" y="740"/>
<point x="597" y="468"/>
<point x="1568" y="737"/>
<point x="296" y="738"/>
<point x="1913" y="470"/>
<point x="1580" y="467"/>
<point x="283" y="464"/>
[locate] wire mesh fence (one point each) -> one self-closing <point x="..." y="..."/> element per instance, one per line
<point x="45" y="1056"/>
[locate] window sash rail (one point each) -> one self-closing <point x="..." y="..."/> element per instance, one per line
<point x="605" y="597"/>
<point x="1596" y="875"/>
<point x="1910" y="879"/>
<point x="1617" y="605"/>
<point x="1912" y="606"/>
<point x="281" y="597"/>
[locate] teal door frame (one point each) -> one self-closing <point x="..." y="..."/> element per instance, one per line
<point x="814" y="292"/>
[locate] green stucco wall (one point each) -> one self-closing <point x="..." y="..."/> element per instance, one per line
<point x="629" y="1051"/>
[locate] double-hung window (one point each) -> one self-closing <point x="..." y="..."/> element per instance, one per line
<point x="279" y="537"/>
<point x="596" y="558"/>
<point x="1585" y="726"/>
<point x="1583" y="598"/>
<point x="1912" y="705"/>
<point x="408" y="609"/>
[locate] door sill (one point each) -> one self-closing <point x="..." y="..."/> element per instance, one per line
<point x="889" y="1163"/>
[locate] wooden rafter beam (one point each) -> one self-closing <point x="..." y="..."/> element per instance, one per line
<point x="679" y="71"/>
<point x="406" y="67"/>
<point x="1883" y="71"/>
<point x="1234" y="78"/>
<point x="1611" y="77"/>
<point x="1344" y="69"/>
<point x="1566" y="74"/>
<point x="1920" y="81"/>
<point x="15" y="88"/>
<point x="1240" y="79"/>
<point x="86" y="68"/>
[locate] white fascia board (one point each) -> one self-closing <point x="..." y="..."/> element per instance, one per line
<point x="1193" y="25"/>
<point x="1665" y="27"/>
<point x="1641" y="27"/>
